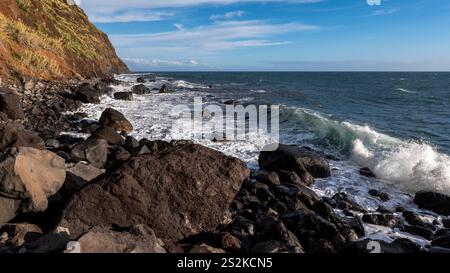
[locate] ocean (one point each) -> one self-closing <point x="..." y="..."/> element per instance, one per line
<point x="397" y="124"/>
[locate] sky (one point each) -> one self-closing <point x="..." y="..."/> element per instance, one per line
<point x="277" y="35"/>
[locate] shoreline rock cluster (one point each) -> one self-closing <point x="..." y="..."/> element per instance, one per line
<point x="114" y="193"/>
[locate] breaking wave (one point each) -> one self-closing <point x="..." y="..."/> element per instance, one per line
<point x="410" y="165"/>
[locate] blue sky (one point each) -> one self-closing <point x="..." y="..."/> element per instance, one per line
<point x="277" y="35"/>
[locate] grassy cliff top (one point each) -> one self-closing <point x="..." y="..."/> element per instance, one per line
<point x="51" y="39"/>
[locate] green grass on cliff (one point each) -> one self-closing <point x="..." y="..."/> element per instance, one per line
<point x="47" y="37"/>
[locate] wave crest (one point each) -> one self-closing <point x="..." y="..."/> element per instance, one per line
<point x="409" y="165"/>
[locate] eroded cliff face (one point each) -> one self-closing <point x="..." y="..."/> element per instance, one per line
<point x="52" y="39"/>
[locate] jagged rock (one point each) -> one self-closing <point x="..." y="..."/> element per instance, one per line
<point x="379" y="219"/>
<point x="123" y="96"/>
<point x="243" y="225"/>
<point x="101" y="240"/>
<point x="140" y="80"/>
<point x="271" y="228"/>
<point x="316" y="234"/>
<point x="437" y="202"/>
<point x="10" y="104"/>
<point x="87" y="94"/>
<point x="116" y="120"/>
<point x="108" y="134"/>
<point x="269" y="178"/>
<point x="131" y="143"/>
<point x="20" y="234"/>
<point x="14" y="135"/>
<point x="367" y="172"/>
<point x="230" y="242"/>
<point x="442" y="239"/>
<point x="446" y="222"/>
<point x="290" y="177"/>
<point x="175" y="191"/>
<point x="381" y="195"/>
<point x="164" y="89"/>
<point x="85" y="171"/>
<point x="414" y="219"/>
<point x="420" y="231"/>
<point x="8" y="209"/>
<point x="104" y="88"/>
<point x="300" y="160"/>
<point x="53" y="242"/>
<point x="32" y="176"/>
<point x="204" y="248"/>
<point x="140" y="89"/>
<point x="343" y="202"/>
<point x="273" y="246"/>
<point x="94" y="151"/>
<point x="230" y="102"/>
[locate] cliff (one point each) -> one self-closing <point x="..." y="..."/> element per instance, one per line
<point x="52" y="39"/>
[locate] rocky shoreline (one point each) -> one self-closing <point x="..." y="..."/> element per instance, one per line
<point x="114" y="193"/>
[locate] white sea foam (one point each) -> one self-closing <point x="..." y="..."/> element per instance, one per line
<point x="403" y="167"/>
<point x="406" y="91"/>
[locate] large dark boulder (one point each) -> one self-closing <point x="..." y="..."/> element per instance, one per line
<point x="437" y="202"/>
<point x="10" y="104"/>
<point x="300" y="160"/>
<point x="87" y="94"/>
<point x="94" y="151"/>
<point x="442" y="240"/>
<point x="116" y="120"/>
<point x="28" y="178"/>
<point x="13" y="134"/>
<point x="140" y="89"/>
<point x="123" y="96"/>
<point x="164" y="89"/>
<point x="140" y="80"/>
<point x="140" y="239"/>
<point x="180" y="190"/>
<point x="108" y="134"/>
<point x="8" y="209"/>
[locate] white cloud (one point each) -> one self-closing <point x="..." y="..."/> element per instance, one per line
<point x="179" y="26"/>
<point x="131" y="16"/>
<point x="107" y="11"/>
<point x="222" y="35"/>
<point x="158" y="62"/>
<point x="108" y="5"/>
<point x="228" y="15"/>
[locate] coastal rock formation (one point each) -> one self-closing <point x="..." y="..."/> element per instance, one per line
<point x="140" y="239"/>
<point x="13" y="134"/>
<point x="64" y="44"/>
<point x="94" y="151"/>
<point x="140" y="89"/>
<point x="108" y="134"/>
<point x="10" y="104"/>
<point x="180" y="190"/>
<point x="123" y="96"/>
<point x="21" y="234"/>
<point x="31" y="176"/>
<point x="304" y="162"/>
<point x="437" y="202"/>
<point x="116" y="120"/>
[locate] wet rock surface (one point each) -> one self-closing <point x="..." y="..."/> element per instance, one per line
<point x="112" y="193"/>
